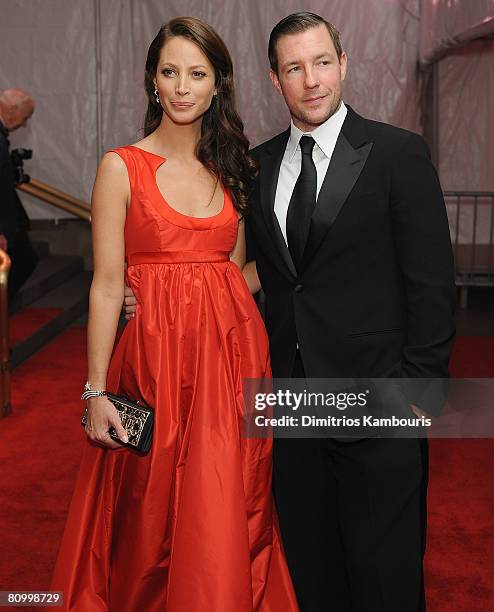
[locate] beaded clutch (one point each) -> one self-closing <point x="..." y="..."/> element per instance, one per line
<point x="137" y="420"/>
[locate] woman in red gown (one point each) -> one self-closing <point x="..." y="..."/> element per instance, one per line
<point x="191" y="526"/>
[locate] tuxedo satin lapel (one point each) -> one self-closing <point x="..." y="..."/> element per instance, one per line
<point x="344" y="169"/>
<point x="268" y="180"/>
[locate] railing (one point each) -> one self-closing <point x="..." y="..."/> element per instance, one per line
<point x="57" y="198"/>
<point x="471" y="221"/>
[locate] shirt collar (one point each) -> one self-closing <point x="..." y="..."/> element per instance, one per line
<point x="325" y="134"/>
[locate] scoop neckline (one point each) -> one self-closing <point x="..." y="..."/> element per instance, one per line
<point x="170" y="208"/>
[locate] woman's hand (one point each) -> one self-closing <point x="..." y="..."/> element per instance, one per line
<point x="101" y="415"/>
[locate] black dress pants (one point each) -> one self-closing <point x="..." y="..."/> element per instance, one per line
<point x="353" y="521"/>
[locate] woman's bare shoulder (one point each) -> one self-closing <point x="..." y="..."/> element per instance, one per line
<point x="112" y="177"/>
<point x="112" y="164"/>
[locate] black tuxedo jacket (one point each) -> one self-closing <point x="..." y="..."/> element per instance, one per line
<point x="375" y="295"/>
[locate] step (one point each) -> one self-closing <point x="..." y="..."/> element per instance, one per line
<point x="50" y="272"/>
<point x="41" y="247"/>
<point x="26" y="322"/>
<point x="72" y="298"/>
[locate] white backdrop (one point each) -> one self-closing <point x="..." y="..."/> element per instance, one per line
<point x="448" y="23"/>
<point x="83" y="61"/>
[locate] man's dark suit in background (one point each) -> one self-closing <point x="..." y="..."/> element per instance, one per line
<point x="14" y="221"/>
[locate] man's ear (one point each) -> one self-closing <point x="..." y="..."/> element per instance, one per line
<point x="343" y="65"/>
<point x="276" y="82"/>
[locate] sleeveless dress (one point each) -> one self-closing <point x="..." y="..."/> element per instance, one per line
<point x="191" y="526"/>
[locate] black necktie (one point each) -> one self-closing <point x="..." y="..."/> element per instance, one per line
<point x="302" y="203"/>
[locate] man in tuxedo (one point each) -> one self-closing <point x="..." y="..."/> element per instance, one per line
<point x="352" y="247"/>
<point x="351" y="241"/>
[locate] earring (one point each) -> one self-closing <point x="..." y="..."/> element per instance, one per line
<point x="156" y="96"/>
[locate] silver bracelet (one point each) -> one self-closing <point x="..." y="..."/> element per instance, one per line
<point x="88" y="392"/>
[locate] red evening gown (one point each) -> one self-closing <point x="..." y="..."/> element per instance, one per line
<point x="191" y="526"/>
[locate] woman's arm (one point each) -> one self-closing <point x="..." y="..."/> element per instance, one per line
<point x="238" y="255"/>
<point x="111" y="192"/>
<point x="251" y="278"/>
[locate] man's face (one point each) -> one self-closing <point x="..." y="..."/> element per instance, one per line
<point x="309" y="76"/>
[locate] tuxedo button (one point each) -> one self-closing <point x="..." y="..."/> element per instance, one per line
<point x="299" y="288"/>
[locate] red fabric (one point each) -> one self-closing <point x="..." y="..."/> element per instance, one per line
<point x="191" y="526"/>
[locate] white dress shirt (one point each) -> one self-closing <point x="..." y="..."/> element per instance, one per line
<point x="325" y="136"/>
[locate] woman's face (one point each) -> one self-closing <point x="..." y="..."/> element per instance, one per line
<point x="185" y="81"/>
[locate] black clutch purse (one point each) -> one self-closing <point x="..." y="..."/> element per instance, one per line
<point x="137" y="420"/>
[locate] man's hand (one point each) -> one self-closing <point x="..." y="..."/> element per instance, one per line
<point x="3" y="242"/>
<point x="130" y="303"/>
<point x="420" y="413"/>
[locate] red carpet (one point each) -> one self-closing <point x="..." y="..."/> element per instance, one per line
<point x="473" y="357"/>
<point x="23" y="324"/>
<point x="41" y="442"/>
<point x="459" y="561"/>
<point x="40" y="447"/>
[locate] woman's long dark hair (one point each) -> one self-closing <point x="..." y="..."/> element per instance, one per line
<point x="223" y="146"/>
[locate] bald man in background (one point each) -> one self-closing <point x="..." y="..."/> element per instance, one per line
<point x="16" y="108"/>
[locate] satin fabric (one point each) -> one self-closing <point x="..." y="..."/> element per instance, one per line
<point x="191" y="526"/>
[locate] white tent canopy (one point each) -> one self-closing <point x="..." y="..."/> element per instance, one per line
<point x="83" y="62"/>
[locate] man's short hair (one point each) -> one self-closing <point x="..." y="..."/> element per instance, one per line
<point x="295" y="23"/>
